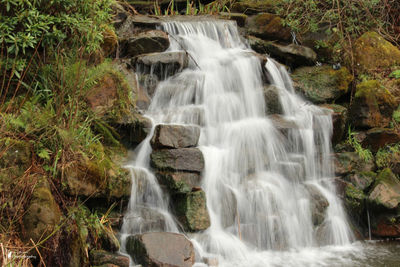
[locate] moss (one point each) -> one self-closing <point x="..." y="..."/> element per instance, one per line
<point x="354" y="199"/>
<point x="373" y="53"/>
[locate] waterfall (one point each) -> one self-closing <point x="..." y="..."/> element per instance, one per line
<point x="256" y="177"/>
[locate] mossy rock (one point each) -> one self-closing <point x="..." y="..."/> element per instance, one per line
<point x="385" y="192"/>
<point x="373" y="53"/>
<point x="362" y="180"/>
<point x="339" y="121"/>
<point x="268" y="26"/>
<point x="372" y="105"/>
<point x="251" y="7"/>
<point x="15" y="158"/>
<point x="350" y="163"/>
<point x="354" y="199"/>
<point x="322" y="84"/>
<point x="179" y="182"/>
<point x="43" y="213"/>
<point x="191" y="210"/>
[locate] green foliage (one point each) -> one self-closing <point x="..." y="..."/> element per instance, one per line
<point x="25" y="24"/>
<point x="364" y="153"/>
<point x="212" y="8"/>
<point x="385" y="156"/>
<point x="395" y="74"/>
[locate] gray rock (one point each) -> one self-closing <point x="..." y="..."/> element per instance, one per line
<point x="175" y="136"/>
<point x="162" y="64"/>
<point x="272" y="100"/>
<point x="182" y="159"/>
<point x="161" y="249"/>
<point x="319" y="204"/>
<point x="386" y="190"/>
<point x="101" y="257"/>
<point x="144" y="43"/>
<point x="179" y="182"/>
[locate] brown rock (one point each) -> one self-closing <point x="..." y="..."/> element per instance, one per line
<point x="268" y="26"/>
<point x="377" y="138"/>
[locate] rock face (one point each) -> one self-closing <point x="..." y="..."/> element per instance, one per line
<point x="161" y="249"/>
<point x="268" y="26"/>
<point x="179" y="182"/>
<point x="339" y="120"/>
<point x="191" y="210"/>
<point x="319" y="204"/>
<point x="43" y="213"/>
<point x="144" y="43"/>
<point x="373" y="53"/>
<point x="175" y="136"/>
<point x="104" y="258"/>
<point x="350" y="162"/>
<point x="386" y="190"/>
<point x="272" y="100"/>
<point x="387" y="227"/>
<point x="372" y="105"/>
<point x="377" y="138"/>
<point x="293" y="55"/>
<point x="322" y="84"/>
<point x="182" y="159"/>
<point x="162" y="64"/>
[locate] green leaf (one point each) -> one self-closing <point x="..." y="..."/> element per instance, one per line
<point x="44" y="154"/>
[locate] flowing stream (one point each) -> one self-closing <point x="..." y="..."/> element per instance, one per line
<point x="258" y="179"/>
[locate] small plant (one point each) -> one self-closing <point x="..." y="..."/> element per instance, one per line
<point x="395" y="74"/>
<point x="364" y="153"/>
<point x="385" y="156"/>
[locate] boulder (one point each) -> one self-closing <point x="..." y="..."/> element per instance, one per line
<point x="377" y="138"/>
<point x="272" y="100"/>
<point x="42" y="215"/>
<point x="350" y="163"/>
<point x="322" y="84"/>
<point x="319" y="204"/>
<point x="151" y="41"/>
<point x="191" y="210"/>
<point x="292" y="54"/>
<point x="385" y="192"/>
<point x="373" y="53"/>
<point x="131" y="25"/>
<point x="161" y="64"/>
<point x="372" y="105"/>
<point x="339" y="120"/>
<point x="268" y="27"/>
<point x="179" y="182"/>
<point x="101" y="257"/>
<point x="174" y="136"/>
<point x="161" y="249"/>
<point x="182" y="159"/>
<point x="133" y="129"/>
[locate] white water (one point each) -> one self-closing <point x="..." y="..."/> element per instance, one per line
<point x="255" y="177"/>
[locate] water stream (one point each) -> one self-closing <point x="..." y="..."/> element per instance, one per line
<point x="257" y="179"/>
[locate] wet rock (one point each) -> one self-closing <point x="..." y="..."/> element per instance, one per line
<point x="387" y="227"/>
<point x="240" y="18"/>
<point x="373" y="53"/>
<point x="179" y="182"/>
<point x="351" y="162"/>
<point x="377" y="138"/>
<point x="133" y="129"/>
<point x="268" y="26"/>
<point x="136" y="24"/>
<point x="362" y="180"/>
<point x="144" y="219"/>
<point x="272" y="100"/>
<point x="339" y="120"/>
<point x="319" y="204"/>
<point x="161" y="249"/>
<point x="372" y="105"/>
<point x="191" y="210"/>
<point x="385" y="193"/>
<point x="292" y="54"/>
<point x="322" y="84"/>
<point x="182" y="159"/>
<point x="175" y="136"/>
<point x="162" y="64"/>
<point x="42" y="214"/>
<point x="101" y="257"/>
<point x="151" y="41"/>
<point x="354" y="200"/>
<point x="282" y="124"/>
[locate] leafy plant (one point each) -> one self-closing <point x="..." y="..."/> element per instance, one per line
<point x="385" y="156"/>
<point x="395" y="74"/>
<point x="364" y="153"/>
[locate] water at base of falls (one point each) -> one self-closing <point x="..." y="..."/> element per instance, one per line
<point x="258" y="180"/>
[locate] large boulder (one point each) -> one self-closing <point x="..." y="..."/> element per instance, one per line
<point x="151" y="41"/>
<point x="179" y="182"/>
<point x="377" y="138"/>
<point x="191" y="210"/>
<point x="182" y="159"/>
<point x="161" y="249"/>
<point x="339" y="120"/>
<point x="385" y="193"/>
<point x="269" y="27"/>
<point x="43" y="214"/>
<point x="292" y="54"/>
<point x="319" y="204"/>
<point x="373" y="53"/>
<point x="322" y="84"/>
<point x="372" y="105"/>
<point x="162" y="64"/>
<point x="175" y="136"/>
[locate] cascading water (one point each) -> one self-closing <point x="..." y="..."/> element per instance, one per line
<point x="257" y="179"/>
